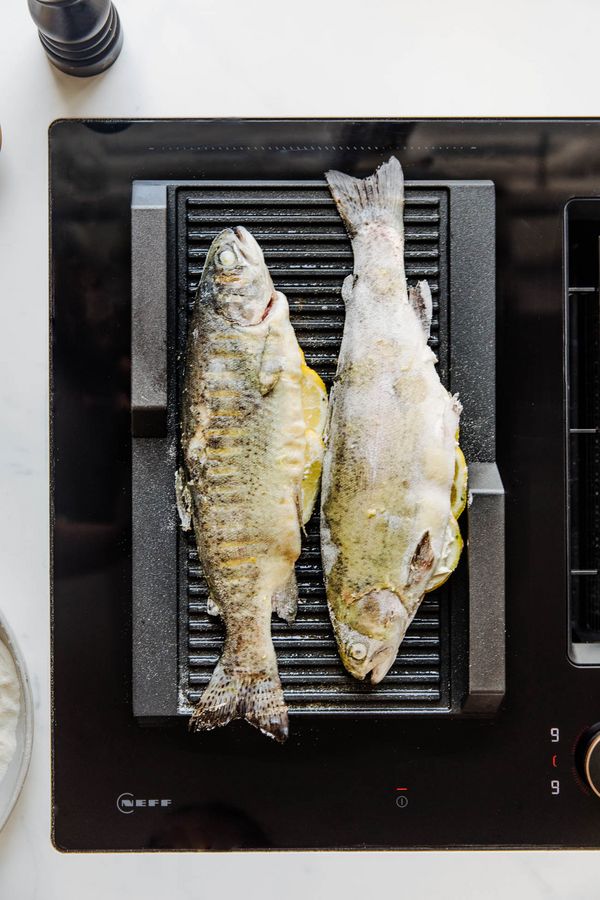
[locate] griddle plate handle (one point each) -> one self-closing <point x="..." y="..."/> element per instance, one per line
<point x="149" y="310"/>
<point x="486" y="561"/>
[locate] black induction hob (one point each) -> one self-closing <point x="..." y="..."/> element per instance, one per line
<point x="427" y="770"/>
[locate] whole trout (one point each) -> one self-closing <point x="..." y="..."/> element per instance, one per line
<point x="388" y="524"/>
<point x="244" y="443"/>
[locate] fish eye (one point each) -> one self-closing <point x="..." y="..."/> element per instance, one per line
<point x="227" y="258"/>
<point x="358" y="651"/>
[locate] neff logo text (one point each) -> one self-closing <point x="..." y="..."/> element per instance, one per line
<point x="127" y="803"/>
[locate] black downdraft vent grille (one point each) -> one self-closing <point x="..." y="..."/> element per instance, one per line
<point x="309" y="255"/>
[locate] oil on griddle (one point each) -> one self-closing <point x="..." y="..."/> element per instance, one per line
<point x="309" y="255"/>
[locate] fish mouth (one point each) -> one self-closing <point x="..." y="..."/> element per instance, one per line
<point x="376" y="666"/>
<point x="252" y="253"/>
<point x="382" y="662"/>
<point x="247" y="245"/>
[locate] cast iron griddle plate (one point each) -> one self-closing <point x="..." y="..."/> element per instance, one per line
<point x="309" y="255"/>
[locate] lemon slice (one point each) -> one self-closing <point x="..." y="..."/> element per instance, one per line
<point x="314" y="399"/>
<point x="313" y="463"/>
<point x="314" y="407"/>
<point x="458" y="494"/>
<point x="450" y="556"/>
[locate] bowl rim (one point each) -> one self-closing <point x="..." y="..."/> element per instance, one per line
<point x="7" y="637"/>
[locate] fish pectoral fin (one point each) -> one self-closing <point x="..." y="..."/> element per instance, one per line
<point x="271" y="365"/>
<point x="268" y="379"/>
<point x="422" y="562"/>
<point x="285" y="599"/>
<point x="183" y="499"/>
<point x="420" y="299"/>
<point x="449" y="557"/>
<point x="234" y="694"/>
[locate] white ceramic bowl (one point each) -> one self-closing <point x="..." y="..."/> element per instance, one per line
<point x="11" y="784"/>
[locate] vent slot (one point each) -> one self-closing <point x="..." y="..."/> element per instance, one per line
<point x="582" y="331"/>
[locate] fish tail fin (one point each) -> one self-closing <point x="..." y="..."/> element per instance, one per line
<point x="378" y="198"/>
<point x="254" y="696"/>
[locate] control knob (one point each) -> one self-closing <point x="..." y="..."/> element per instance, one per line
<point x="587" y="757"/>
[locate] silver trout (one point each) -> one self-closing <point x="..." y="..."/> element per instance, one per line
<point x="246" y="446"/>
<point x="394" y="479"/>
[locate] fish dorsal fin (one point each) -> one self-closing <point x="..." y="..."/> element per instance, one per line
<point x="420" y="299"/>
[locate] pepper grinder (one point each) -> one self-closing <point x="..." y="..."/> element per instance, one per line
<point x="81" y="37"/>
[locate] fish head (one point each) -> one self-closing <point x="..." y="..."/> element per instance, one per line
<point x="369" y="639"/>
<point x="235" y="278"/>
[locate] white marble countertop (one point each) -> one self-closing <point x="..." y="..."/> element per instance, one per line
<point x="212" y="58"/>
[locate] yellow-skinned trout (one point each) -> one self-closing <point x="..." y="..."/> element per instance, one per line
<point x="244" y="441"/>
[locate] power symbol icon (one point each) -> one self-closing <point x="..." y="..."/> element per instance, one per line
<point x="402" y="802"/>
